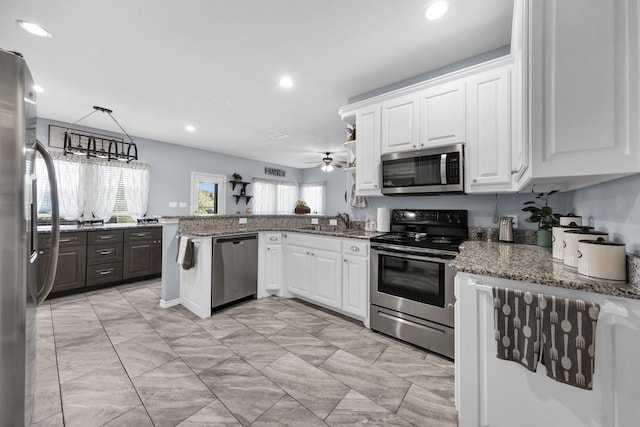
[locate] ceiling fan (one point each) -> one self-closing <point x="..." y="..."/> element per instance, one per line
<point x="328" y="163"/>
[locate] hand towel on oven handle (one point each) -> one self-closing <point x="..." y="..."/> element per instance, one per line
<point x="563" y="329"/>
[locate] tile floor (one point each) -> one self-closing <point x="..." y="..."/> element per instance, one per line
<point x="115" y="358"/>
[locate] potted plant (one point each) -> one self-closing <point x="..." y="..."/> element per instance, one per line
<point x="543" y="215"/>
<point x="237" y="176"/>
<point x="301" y="207"/>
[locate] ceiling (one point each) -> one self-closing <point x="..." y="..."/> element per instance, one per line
<point x="215" y="64"/>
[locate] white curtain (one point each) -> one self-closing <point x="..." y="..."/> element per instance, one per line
<point x="274" y="197"/>
<point x="42" y="180"/>
<point x="135" y="179"/>
<point x="313" y="194"/>
<point x="105" y="180"/>
<point x="71" y="174"/>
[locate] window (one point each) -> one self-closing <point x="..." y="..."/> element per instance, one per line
<point x="313" y="194"/>
<point x="274" y="197"/>
<point x="207" y="194"/>
<point x="94" y="189"/>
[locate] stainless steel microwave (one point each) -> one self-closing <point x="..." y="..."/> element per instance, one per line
<point x="428" y="171"/>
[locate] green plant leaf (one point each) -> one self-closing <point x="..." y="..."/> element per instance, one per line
<point x="531" y="209"/>
<point x="530" y="202"/>
<point x="546" y="210"/>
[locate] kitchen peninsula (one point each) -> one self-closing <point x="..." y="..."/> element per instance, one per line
<point x="495" y="392"/>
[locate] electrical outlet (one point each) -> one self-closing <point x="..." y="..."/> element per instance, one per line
<point x="333" y="222"/>
<point x="515" y="220"/>
<point x="314" y="221"/>
<point x="242" y="221"/>
<point x="182" y="204"/>
<point x="173" y="204"/>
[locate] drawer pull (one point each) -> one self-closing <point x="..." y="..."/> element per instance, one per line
<point x="65" y="240"/>
<point x="273" y="238"/>
<point x="105" y="272"/>
<point x="107" y="237"/>
<point x="355" y="249"/>
<point x="109" y="252"/>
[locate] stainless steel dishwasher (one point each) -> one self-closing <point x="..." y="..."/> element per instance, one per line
<point x="235" y="268"/>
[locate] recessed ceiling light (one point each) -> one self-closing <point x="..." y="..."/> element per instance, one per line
<point x="38" y="89"/>
<point x="286" y="82"/>
<point x="436" y="10"/>
<point x="190" y="128"/>
<point x="34" y="29"/>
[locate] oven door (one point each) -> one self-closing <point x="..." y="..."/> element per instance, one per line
<point x="415" y="284"/>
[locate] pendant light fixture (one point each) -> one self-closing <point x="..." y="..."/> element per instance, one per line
<point x="93" y="146"/>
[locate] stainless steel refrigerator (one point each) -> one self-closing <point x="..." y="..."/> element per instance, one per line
<point x="19" y="292"/>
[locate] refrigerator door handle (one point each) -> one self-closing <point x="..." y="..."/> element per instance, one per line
<point x="55" y="224"/>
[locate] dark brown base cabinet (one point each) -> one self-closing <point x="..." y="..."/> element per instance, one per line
<point x="142" y="253"/>
<point x="89" y="259"/>
<point x="72" y="261"/>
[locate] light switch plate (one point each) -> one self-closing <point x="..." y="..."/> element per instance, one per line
<point x="242" y="221"/>
<point x="183" y="204"/>
<point x="333" y="222"/>
<point x="314" y="221"/>
<point x="173" y="204"/>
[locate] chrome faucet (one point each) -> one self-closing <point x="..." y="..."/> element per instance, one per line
<point x="345" y="218"/>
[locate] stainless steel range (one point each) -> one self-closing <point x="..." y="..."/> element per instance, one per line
<point x="411" y="284"/>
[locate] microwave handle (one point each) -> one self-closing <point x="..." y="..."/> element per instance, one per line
<point x="443" y="169"/>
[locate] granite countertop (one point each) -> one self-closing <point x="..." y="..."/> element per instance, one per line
<point x="529" y="263"/>
<point x="352" y="234"/>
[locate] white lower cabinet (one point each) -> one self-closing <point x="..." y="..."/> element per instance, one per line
<point x="498" y="393"/>
<point x="355" y="285"/>
<point x="273" y="267"/>
<point x="330" y="271"/>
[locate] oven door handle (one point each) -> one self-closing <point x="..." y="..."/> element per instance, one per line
<point x="408" y="254"/>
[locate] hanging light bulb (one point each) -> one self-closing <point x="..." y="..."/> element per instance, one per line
<point x="327" y="168"/>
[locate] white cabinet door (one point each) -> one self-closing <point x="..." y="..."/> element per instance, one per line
<point x="298" y="270"/>
<point x="326" y="279"/>
<point x="400" y="124"/>
<point x="368" y="171"/>
<point x="273" y="267"/>
<point x="442" y="115"/>
<point x="585" y="93"/>
<point x="355" y="285"/>
<point x="488" y="153"/>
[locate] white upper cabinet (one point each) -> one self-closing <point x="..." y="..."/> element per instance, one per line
<point x="585" y="87"/>
<point x="442" y="115"/>
<point x="489" y="124"/>
<point x="368" y="173"/>
<point x="400" y="124"/>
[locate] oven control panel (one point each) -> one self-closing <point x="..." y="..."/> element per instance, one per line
<point x="430" y="217"/>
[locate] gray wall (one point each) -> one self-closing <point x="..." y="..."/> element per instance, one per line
<point x="171" y="166"/>
<point x="335" y="186"/>
<point x="615" y="208"/>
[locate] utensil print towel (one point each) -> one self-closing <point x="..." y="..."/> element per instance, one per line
<point x="185" y="256"/>
<point x="569" y="336"/>
<point x="517" y="326"/>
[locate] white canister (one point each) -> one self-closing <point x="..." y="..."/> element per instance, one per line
<point x="557" y="239"/>
<point x="570" y="219"/>
<point x="571" y="238"/>
<point x="602" y="259"/>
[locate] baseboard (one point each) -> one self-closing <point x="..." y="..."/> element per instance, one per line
<point x="170" y="303"/>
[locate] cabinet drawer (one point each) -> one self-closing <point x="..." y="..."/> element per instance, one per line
<point x="104" y="273"/>
<point x="146" y="233"/>
<point x="273" y="238"/>
<point x="327" y="243"/>
<point x="100" y="254"/>
<point x="66" y="239"/>
<point x="98" y="237"/>
<point x="355" y="247"/>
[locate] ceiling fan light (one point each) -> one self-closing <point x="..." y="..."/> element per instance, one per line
<point x="326" y="168"/>
<point x="436" y="10"/>
<point x="34" y="29"/>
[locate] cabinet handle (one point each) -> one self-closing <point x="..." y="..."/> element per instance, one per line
<point x="474" y="181"/>
<point x="308" y="253"/>
<point x="141" y="234"/>
<point x="513" y="172"/>
<point x="450" y="306"/>
<point x="105" y="272"/>
<point x="284" y="235"/>
<point x="344" y="260"/>
<point x="268" y="249"/>
<point x="107" y="237"/>
<point x="375" y="185"/>
<point x="415" y="146"/>
<point x="355" y="249"/>
<point x="65" y="240"/>
<point x="109" y="252"/>
<point x="40" y="252"/>
<point x="273" y="238"/>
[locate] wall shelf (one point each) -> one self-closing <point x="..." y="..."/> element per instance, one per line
<point x="238" y="197"/>
<point x="243" y="183"/>
<point x="243" y="191"/>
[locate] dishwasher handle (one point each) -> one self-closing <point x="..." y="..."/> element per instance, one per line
<point x="236" y="240"/>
